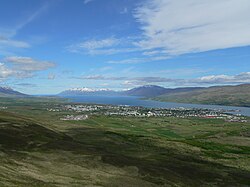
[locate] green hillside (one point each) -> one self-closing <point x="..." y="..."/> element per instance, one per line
<point x="221" y="95"/>
<point x="38" y="149"/>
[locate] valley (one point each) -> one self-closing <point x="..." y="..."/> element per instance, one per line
<point x="37" y="148"/>
<point x="237" y="95"/>
<point x="124" y="93"/>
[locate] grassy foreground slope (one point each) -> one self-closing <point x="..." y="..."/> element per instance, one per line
<point x="222" y="95"/>
<point x="37" y="149"/>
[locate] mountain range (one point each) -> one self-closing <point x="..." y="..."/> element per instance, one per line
<point x="9" y="92"/>
<point x="147" y="91"/>
<point x="142" y="91"/>
<point x="88" y="91"/>
<point x="238" y="95"/>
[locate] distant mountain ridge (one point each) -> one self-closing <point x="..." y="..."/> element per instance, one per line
<point x="238" y="95"/>
<point x="142" y="91"/>
<point x="9" y="92"/>
<point x="87" y="91"/>
<point x="146" y="91"/>
<point x="154" y="91"/>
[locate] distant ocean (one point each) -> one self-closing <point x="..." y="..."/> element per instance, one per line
<point x="136" y="101"/>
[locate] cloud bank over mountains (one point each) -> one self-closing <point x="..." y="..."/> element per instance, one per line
<point x="205" y="80"/>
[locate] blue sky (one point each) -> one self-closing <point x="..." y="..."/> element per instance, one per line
<point x="49" y="46"/>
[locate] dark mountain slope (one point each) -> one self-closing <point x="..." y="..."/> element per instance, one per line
<point x="143" y="91"/>
<point x="220" y="95"/>
<point x="146" y="91"/>
<point x="153" y="91"/>
<point x="9" y="92"/>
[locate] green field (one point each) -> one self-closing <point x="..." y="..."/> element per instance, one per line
<point x="38" y="149"/>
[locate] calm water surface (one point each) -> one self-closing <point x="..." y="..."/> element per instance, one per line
<point x="136" y="101"/>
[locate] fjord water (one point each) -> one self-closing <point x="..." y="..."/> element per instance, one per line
<point x="137" y="101"/>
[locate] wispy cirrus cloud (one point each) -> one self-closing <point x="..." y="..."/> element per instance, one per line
<point x="140" y="60"/>
<point x="97" y="44"/>
<point x="100" y="77"/>
<point x="129" y="61"/>
<point x="7" y="35"/>
<point x="104" y="46"/>
<point x="33" y="16"/>
<point x="95" y="47"/>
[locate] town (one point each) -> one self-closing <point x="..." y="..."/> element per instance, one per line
<point x="83" y="111"/>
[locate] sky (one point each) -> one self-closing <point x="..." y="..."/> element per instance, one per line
<point x="47" y="46"/>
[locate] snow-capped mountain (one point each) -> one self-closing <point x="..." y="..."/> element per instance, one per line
<point x="87" y="91"/>
<point x="142" y="91"/>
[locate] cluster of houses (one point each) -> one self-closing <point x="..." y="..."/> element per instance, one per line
<point x="75" y="118"/>
<point x="123" y="110"/>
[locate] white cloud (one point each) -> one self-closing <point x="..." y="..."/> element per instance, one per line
<point x="7" y="44"/>
<point x="175" y="27"/>
<point x="205" y="80"/>
<point x="28" y="64"/>
<point x="224" y="79"/>
<point x="23" y="67"/>
<point x="215" y="78"/>
<point x="186" y="26"/>
<point x="4" y="71"/>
